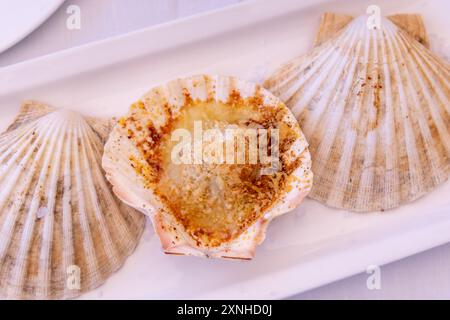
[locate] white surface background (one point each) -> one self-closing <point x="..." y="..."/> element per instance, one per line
<point x="426" y="275"/>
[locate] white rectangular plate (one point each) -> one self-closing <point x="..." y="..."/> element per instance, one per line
<point x="304" y="249"/>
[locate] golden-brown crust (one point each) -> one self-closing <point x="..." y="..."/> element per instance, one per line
<point x="264" y="190"/>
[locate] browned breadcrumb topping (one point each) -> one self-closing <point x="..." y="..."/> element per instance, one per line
<point x="215" y="203"/>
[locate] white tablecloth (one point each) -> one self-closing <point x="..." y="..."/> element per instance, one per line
<point x="425" y="275"/>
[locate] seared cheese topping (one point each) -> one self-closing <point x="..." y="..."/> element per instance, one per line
<point x="214" y="202"/>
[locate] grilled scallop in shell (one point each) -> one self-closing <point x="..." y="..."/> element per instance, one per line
<point x="208" y="203"/>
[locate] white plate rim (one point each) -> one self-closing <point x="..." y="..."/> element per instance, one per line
<point x="36" y="24"/>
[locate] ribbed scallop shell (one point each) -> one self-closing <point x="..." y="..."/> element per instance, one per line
<point x="156" y="109"/>
<point x="56" y="208"/>
<point x="374" y="106"/>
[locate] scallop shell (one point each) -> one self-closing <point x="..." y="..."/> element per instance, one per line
<point x="126" y="165"/>
<point x="374" y="106"/>
<point x="59" y="220"/>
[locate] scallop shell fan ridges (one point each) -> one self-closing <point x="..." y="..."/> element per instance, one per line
<point x="375" y="108"/>
<point x="56" y="208"/>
